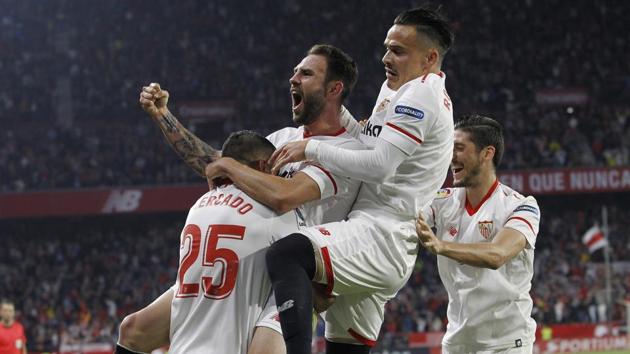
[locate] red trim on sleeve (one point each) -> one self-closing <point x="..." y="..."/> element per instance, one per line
<point x="424" y="77"/>
<point x="523" y="220"/>
<point x="362" y="339"/>
<point x="330" y="278"/>
<point x="401" y="130"/>
<point x="472" y="210"/>
<point x="337" y="133"/>
<point x="329" y="176"/>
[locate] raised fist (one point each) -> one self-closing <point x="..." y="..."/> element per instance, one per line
<point x="153" y="100"/>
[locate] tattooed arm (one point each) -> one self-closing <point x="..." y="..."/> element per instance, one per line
<point x="196" y="153"/>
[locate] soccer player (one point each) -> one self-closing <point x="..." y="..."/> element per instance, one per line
<point x="484" y="243"/>
<point x="368" y="258"/>
<point x="222" y="285"/>
<point x="12" y="337"/>
<point x="321" y="82"/>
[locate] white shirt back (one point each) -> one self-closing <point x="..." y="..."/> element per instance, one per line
<point x="418" y="119"/>
<point x="488" y="309"/>
<point x="222" y="283"/>
<point x="338" y="193"/>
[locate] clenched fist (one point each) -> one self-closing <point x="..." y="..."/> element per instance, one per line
<point x="153" y="100"/>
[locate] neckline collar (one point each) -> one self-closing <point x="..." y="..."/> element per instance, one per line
<point x="472" y="210"/>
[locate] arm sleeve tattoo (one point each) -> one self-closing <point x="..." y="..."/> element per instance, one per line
<point x="196" y="153"/>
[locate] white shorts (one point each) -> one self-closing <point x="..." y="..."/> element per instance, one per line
<point x="270" y="317"/>
<point x="365" y="266"/>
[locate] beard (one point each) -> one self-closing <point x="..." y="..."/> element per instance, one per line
<point x="313" y="106"/>
<point x="470" y="180"/>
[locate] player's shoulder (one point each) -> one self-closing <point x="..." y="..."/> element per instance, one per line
<point x="421" y="92"/>
<point x="445" y="196"/>
<point x="518" y="201"/>
<point x="347" y="141"/>
<point x="285" y="135"/>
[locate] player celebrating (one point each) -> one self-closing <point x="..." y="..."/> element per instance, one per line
<point x="222" y="285"/>
<point x="370" y="257"/>
<point x="485" y="240"/>
<point x="12" y="338"/>
<point x="322" y="80"/>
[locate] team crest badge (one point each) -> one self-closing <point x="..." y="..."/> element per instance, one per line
<point x="485" y="228"/>
<point x="383" y="105"/>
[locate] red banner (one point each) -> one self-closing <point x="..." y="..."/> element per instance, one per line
<point x="573" y="181"/>
<point x="99" y="201"/>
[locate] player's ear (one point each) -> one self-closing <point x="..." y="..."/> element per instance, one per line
<point x="488" y="153"/>
<point x="263" y="166"/>
<point x="335" y="88"/>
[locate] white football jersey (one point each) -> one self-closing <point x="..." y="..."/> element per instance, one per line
<point x="418" y="119"/>
<point x="337" y="192"/>
<point x="222" y="283"/>
<point x="488" y="309"/>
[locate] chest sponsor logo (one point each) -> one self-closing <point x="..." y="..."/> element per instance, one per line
<point x="372" y="129"/>
<point x="485" y="228"/>
<point x="409" y="111"/>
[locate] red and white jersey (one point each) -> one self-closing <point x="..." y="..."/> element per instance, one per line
<point x="417" y="119"/>
<point x="12" y="338"/>
<point x="222" y="284"/>
<point x="488" y="309"/>
<point x="337" y="192"/>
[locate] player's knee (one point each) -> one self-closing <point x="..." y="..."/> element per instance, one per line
<point x="295" y="250"/>
<point x="130" y="333"/>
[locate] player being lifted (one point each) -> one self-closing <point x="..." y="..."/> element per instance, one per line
<point x="321" y="81"/>
<point x="485" y="240"/>
<point x="368" y="258"/>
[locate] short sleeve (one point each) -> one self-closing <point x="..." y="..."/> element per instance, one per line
<point x="525" y="218"/>
<point x="327" y="182"/>
<point x="409" y="117"/>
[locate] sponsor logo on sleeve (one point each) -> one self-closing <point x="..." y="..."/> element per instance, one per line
<point x="443" y="193"/>
<point x="527" y="208"/>
<point x="410" y="111"/>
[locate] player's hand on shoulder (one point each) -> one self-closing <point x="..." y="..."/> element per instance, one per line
<point x="153" y="100"/>
<point x="427" y="237"/>
<point x="290" y="152"/>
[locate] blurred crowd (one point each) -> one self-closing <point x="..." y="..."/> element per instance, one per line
<point x="74" y="280"/>
<point x="71" y="72"/>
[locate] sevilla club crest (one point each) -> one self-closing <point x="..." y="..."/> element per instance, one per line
<point x="485" y="228"/>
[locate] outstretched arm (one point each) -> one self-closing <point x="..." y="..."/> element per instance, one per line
<point x="372" y="166"/>
<point x="505" y="245"/>
<point x="195" y="152"/>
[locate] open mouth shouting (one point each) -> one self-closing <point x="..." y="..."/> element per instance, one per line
<point x="298" y="100"/>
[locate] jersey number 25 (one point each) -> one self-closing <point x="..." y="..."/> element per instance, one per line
<point x="211" y="255"/>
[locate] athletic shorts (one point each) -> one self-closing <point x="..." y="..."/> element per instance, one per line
<point x="365" y="265"/>
<point x="269" y="317"/>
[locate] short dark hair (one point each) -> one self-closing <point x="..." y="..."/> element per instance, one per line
<point x="432" y="24"/>
<point x="483" y="132"/>
<point x="247" y="147"/>
<point x="340" y="66"/>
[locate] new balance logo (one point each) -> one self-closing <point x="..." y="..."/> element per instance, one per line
<point x="287" y="305"/>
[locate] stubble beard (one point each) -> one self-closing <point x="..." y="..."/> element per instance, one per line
<point x="313" y="107"/>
